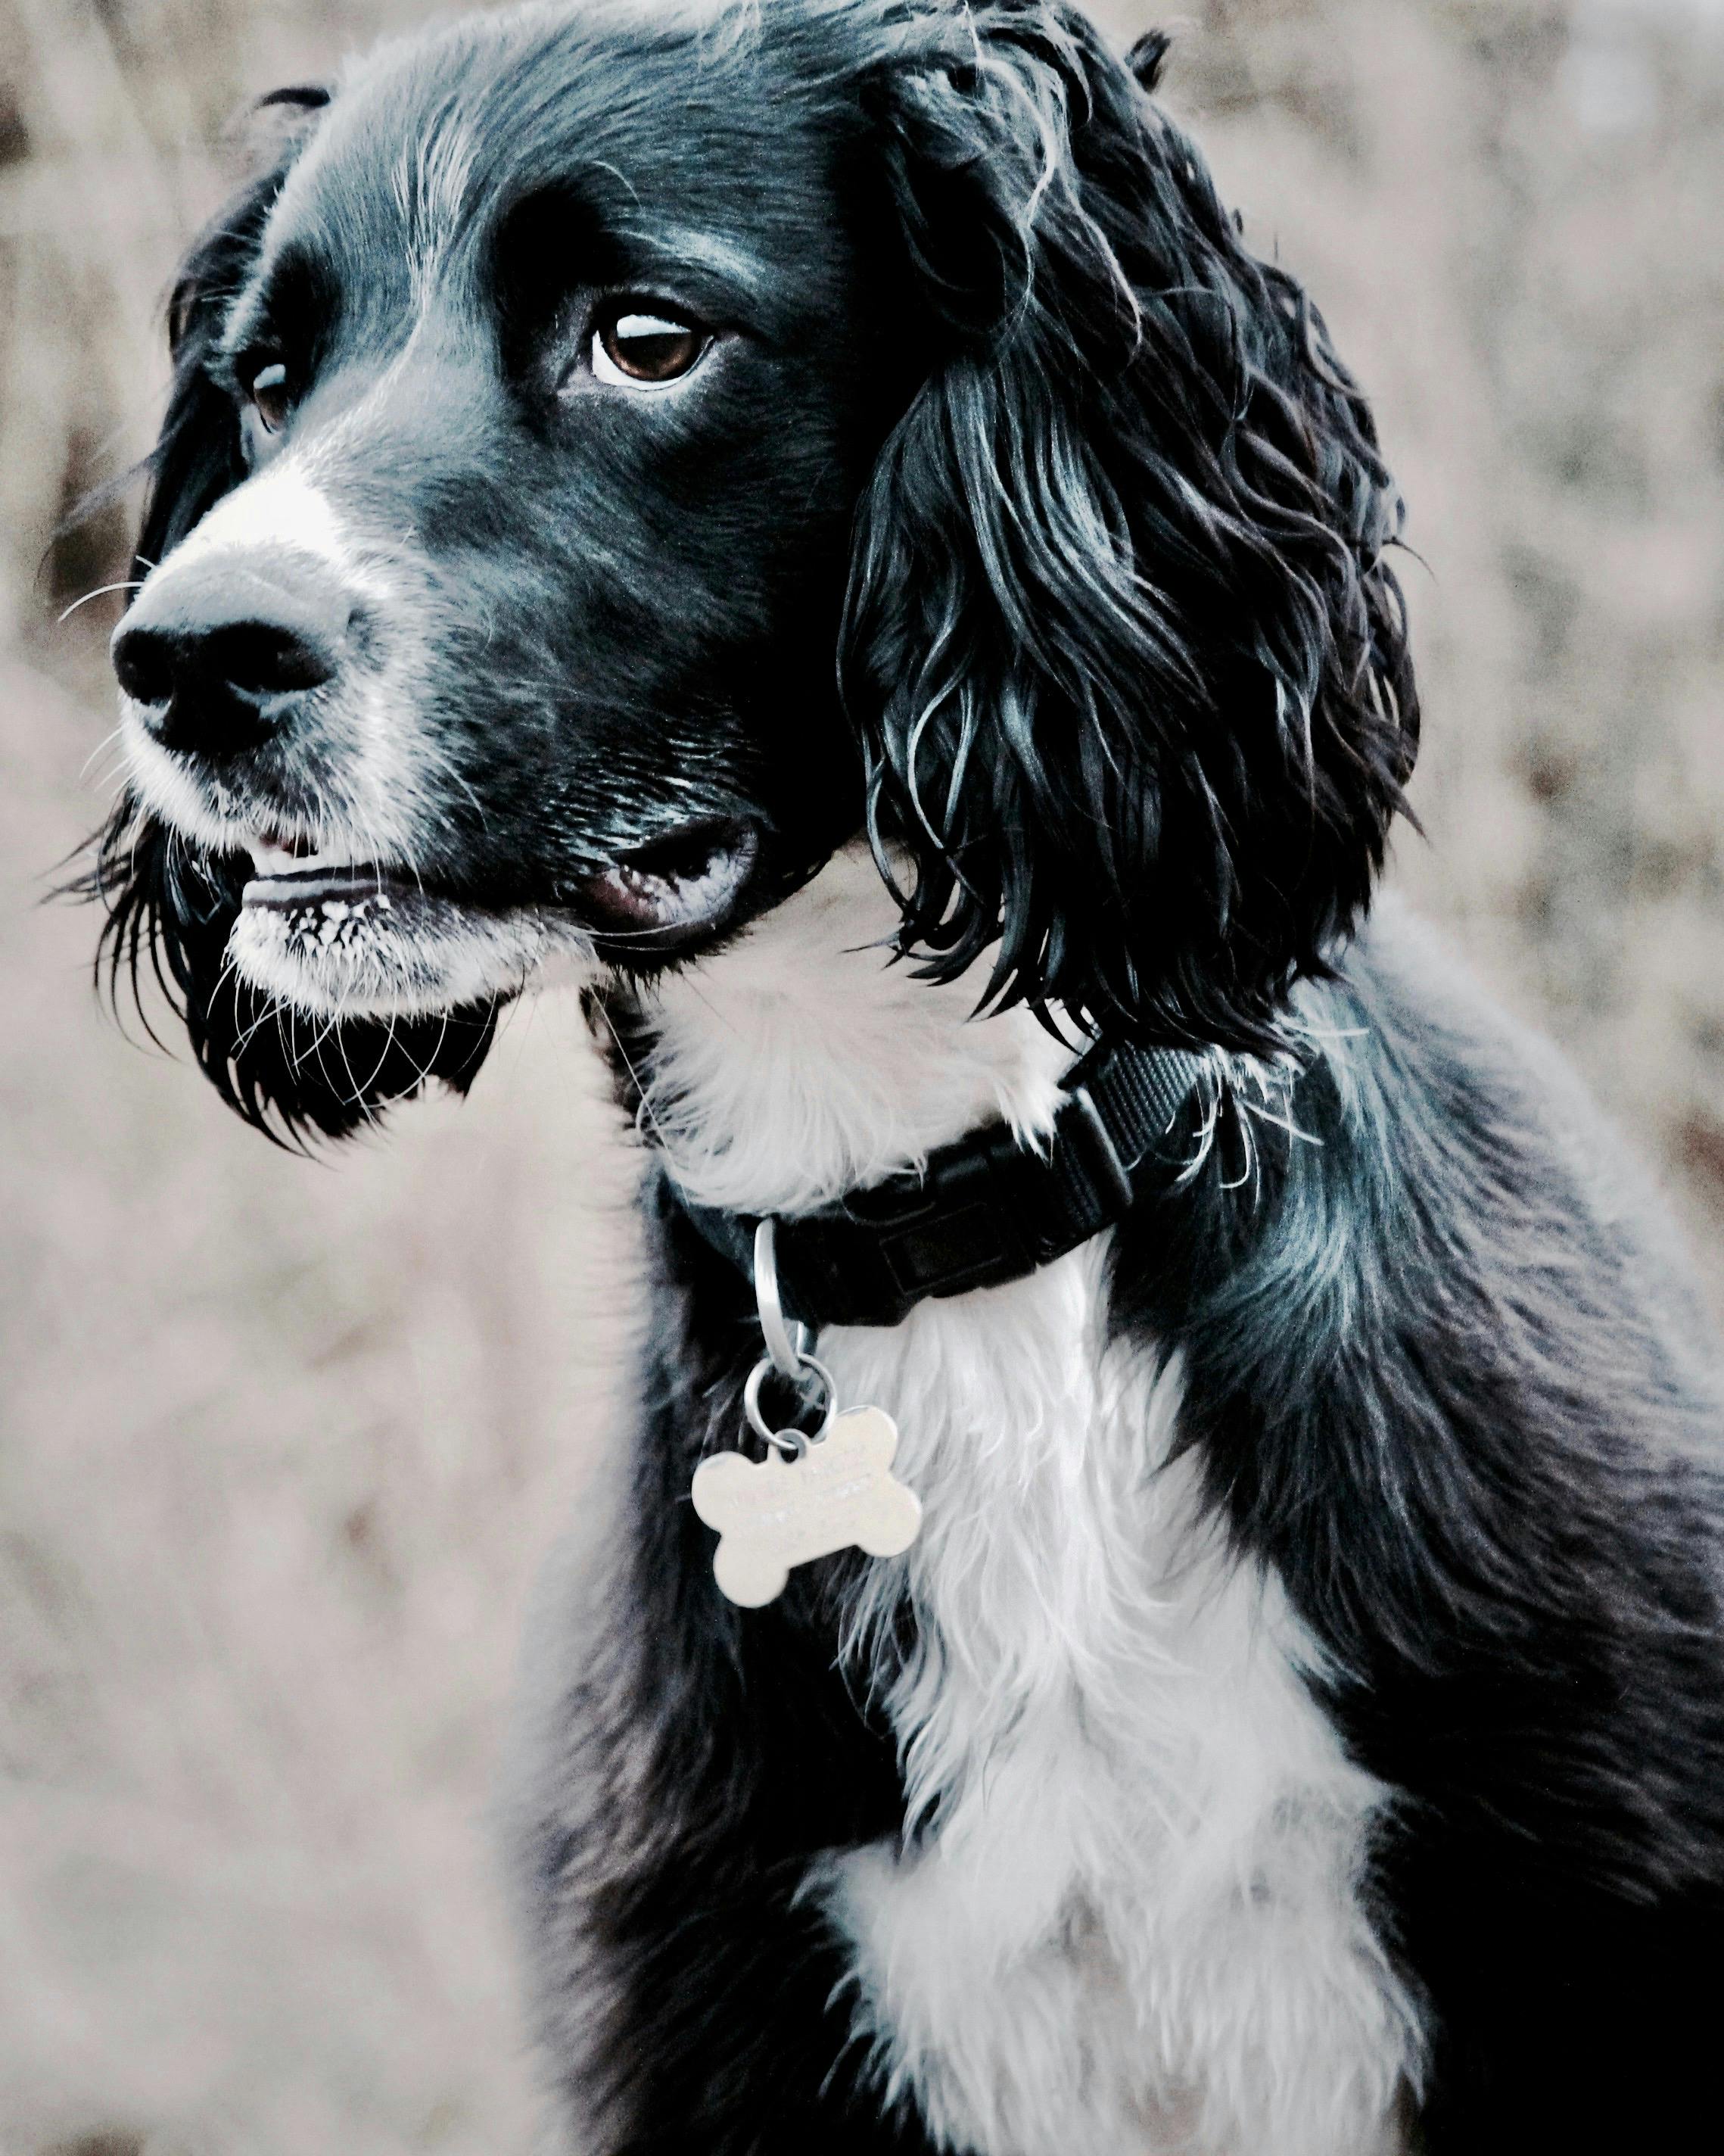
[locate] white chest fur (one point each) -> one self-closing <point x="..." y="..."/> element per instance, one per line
<point x="1135" y="1923"/>
<point x="1131" y="1918"/>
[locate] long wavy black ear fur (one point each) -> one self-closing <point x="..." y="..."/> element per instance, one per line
<point x="1128" y="659"/>
<point x="170" y="904"/>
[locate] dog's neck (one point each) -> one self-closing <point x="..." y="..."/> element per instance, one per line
<point x="800" y="1063"/>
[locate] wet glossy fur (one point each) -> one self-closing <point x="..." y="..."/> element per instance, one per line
<point x="1299" y="1731"/>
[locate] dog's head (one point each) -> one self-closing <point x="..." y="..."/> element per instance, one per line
<point x="617" y="453"/>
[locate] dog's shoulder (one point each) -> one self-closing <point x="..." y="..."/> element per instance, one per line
<point x="1494" y="1120"/>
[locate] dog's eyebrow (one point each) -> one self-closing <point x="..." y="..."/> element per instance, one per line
<point x="686" y="247"/>
<point x="593" y="227"/>
<point x="296" y="296"/>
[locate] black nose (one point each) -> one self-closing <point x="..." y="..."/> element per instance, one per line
<point x="220" y="656"/>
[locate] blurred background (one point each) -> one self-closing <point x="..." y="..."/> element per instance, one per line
<point x="281" y="1444"/>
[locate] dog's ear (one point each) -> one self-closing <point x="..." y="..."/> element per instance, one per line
<point x="1128" y="661"/>
<point x="198" y="457"/>
<point x="171" y="904"/>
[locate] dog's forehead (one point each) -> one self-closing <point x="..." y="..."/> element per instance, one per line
<point x="427" y="142"/>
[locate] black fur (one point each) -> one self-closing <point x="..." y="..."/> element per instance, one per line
<point x="1445" y="1378"/>
<point x="1034" y="525"/>
<point x="1121" y="591"/>
<point x="717" y="1754"/>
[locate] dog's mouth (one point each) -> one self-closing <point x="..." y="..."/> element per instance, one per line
<point x="328" y="932"/>
<point x="650" y="901"/>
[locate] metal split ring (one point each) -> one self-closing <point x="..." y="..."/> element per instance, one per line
<point x="787" y="1348"/>
<point x="793" y="1442"/>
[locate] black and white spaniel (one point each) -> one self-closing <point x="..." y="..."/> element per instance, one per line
<point x="808" y="513"/>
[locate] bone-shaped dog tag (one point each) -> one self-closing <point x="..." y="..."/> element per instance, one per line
<point x="771" y="1514"/>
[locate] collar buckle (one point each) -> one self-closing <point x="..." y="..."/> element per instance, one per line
<point x="964" y="1226"/>
<point x="961" y="1225"/>
<point x="1083" y="1136"/>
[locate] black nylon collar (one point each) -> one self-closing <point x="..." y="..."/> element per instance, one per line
<point x="985" y="1210"/>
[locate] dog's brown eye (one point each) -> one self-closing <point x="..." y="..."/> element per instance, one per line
<point x="631" y="345"/>
<point x="270" y="399"/>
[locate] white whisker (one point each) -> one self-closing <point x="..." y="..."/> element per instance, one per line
<point x="106" y="743"/>
<point x="101" y="592"/>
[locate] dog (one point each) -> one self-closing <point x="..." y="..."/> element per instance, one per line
<point x="809" y="516"/>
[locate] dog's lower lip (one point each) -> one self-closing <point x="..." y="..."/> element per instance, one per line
<point x="653" y="898"/>
<point x="289" y="889"/>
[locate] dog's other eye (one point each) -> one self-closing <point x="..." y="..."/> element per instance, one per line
<point x="271" y="399"/>
<point x="632" y="347"/>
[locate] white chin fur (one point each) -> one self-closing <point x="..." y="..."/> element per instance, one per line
<point x="336" y="959"/>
